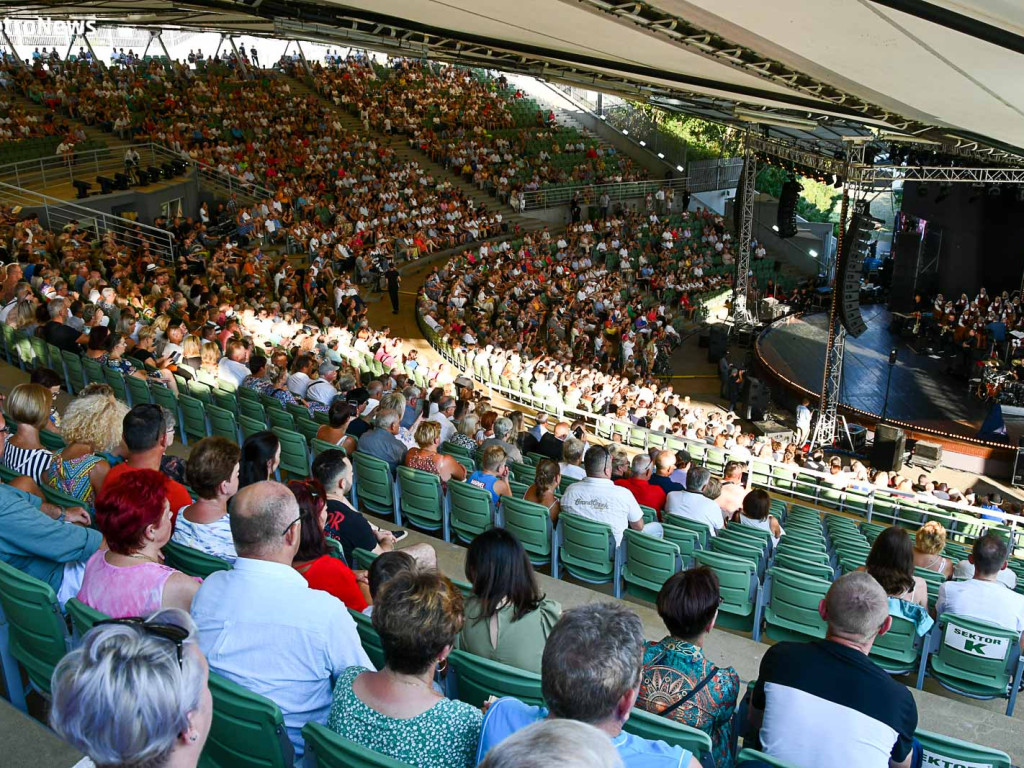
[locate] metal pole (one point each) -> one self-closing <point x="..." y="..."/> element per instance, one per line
<point x="216" y="54"/>
<point x="741" y="286"/>
<point x="14" y="51"/>
<point x="74" y="36"/>
<point x="160" y="39"/>
<point x="241" y="64"/>
<point x="88" y="44"/>
<point x="302" y="56"/>
<point x="149" y="42"/>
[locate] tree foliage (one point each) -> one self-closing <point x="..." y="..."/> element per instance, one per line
<point x="818" y="201"/>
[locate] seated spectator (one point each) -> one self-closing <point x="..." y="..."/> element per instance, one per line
<point x="508" y="618"/>
<point x="135" y="693"/>
<point x="259" y="459"/>
<point x="493" y="474"/>
<point x="597" y="498"/>
<point x="117" y="347"/>
<point x="382" y="441"/>
<point x="53" y="382"/>
<point x="928" y="545"/>
<point x="639" y="483"/>
<point x="826" y="703"/>
<point x="756" y="513"/>
<point x="262" y="626"/>
<point x="665" y="465"/>
<point x="683" y="464"/>
<point x="730" y="501"/>
<point x="36" y="538"/>
<point x="383" y="569"/>
<point x="591" y="672"/>
<point x="28" y="405"/>
<point x="145" y="435"/>
<point x="982" y="597"/>
<point x="679" y="682"/>
<point x="503" y="428"/>
<point x="321" y="390"/>
<point x="891" y="563"/>
<point x="565" y="743"/>
<point x="212" y="472"/>
<point x="91" y="426"/>
<point x="396" y="711"/>
<point x="232" y="368"/>
<point x="443" y="418"/>
<point x="551" y="444"/>
<point x="572" y="455"/>
<point x="339" y="417"/>
<point x="465" y="432"/>
<point x="313" y="559"/>
<point x="129" y="578"/>
<point x="426" y="458"/>
<point x="692" y="504"/>
<point x="545" y="484"/>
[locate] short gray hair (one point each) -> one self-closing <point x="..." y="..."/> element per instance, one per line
<point x="857" y="606"/>
<point x="697" y="478"/>
<point x="566" y="743"/>
<point x="445" y="403"/>
<point x="122" y="698"/>
<point x="393" y="401"/>
<point x="55" y="307"/>
<point x="572" y="450"/>
<point x="502" y="427"/>
<point x="641" y="463"/>
<point x="411" y="392"/>
<point x="386" y="419"/>
<point x="345" y="383"/>
<point x="595" y="460"/>
<point x="591" y="660"/>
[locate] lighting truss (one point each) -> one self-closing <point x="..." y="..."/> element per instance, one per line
<point x="887" y="174"/>
<point x="794" y="154"/>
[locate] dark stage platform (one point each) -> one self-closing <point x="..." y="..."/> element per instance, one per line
<point x="922" y="393"/>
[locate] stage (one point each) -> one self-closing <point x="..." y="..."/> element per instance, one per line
<point x="922" y="394"/>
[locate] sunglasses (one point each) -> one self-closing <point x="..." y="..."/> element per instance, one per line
<point x="170" y="632"/>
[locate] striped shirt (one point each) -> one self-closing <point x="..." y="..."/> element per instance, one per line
<point x="26" y="461"/>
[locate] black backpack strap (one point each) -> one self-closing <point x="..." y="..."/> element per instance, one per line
<point x="696" y="689"/>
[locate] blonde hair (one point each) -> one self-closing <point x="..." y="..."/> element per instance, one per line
<point x="95" y="420"/>
<point x="427" y="433"/>
<point x="190" y="346"/>
<point x="930" y="538"/>
<point x="161" y="323"/>
<point x="24" y="314"/>
<point x="468" y="425"/>
<point x="210" y="354"/>
<point x="30" y="404"/>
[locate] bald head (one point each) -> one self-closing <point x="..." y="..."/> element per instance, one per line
<point x="665" y="461"/>
<point x="856" y="608"/>
<point x="561" y="430"/>
<point x="258" y="515"/>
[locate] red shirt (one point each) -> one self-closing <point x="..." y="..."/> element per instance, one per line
<point x="330" y="575"/>
<point x="644" y="493"/>
<point x="177" y="494"/>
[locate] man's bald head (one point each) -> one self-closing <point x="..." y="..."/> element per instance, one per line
<point x="259" y="514"/>
<point x="561" y="430"/>
<point x="856" y="607"/>
<point x="665" y="461"/>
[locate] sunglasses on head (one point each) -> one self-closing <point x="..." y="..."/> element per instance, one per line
<point x="170" y="632"/>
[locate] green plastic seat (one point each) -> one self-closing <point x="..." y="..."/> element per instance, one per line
<point x="306" y="427"/>
<point x="294" y="454"/>
<point x="648" y="725"/>
<point x="222" y="423"/>
<point x="51" y="441"/>
<point x="470" y="509"/>
<point x="753" y="756"/>
<point x="250" y="427"/>
<point x="74" y="373"/>
<point x="282" y="419"/>
<point x="687" y="541"/>
<point x="479" y="678"/>
<point x="247" y="729"/>
<point x="790" y="602"/>
<point x="37" y="635"/>
<point x="93" y="371"/>
<point x="702" y="531"/>
<point x="326" y="749"/>
<point x="138" y="390"/>
<point x="455" y="450"/>
<point x="933" y="581"/>
<point x="421" y="501"/>
<point x="247" y="394"/>
<point x="794" y="562"/>
<point x="745" y="548"/>
<point x="531" y="524"/>
<point x="374" y="487"/>
<point x="226" y="400"/>
<point x="200" y="391"/>
<point x="318" y="446"/>
<point x="524" y="473"/>
<point x="362" y="558"/>
<point x="587" y="551"/>
<point x="164" y="397"/>
<point x="297" y="410"/>
<point x="975" y="659"/>
<point x="193" y="412"/>
<point x="82" y="616"/>
<point x="650" y="562"/>
<point x="192" y="561"/>
<point x="899" y="651"/>
<point x="740" y="590"/>
<point x="369" y="638"/>
<point x="939" y="750"/>
<point x="252" y="408"/>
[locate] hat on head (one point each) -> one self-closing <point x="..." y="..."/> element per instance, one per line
<point x="358" y="396"/>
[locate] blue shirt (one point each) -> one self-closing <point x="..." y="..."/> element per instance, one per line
<point x="483" y="480"/>
<point x="508" y="715"/>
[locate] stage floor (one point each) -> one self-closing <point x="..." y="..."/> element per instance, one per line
<point x="921" y="393"/>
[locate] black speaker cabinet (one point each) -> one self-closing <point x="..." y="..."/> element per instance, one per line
<point x="756" y="400"/>
<point x="890" y="443"/>
<point x="718" y="342"/>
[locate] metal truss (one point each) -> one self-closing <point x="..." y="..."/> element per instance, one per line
<point x="886" y="174"/>
<point x="741" y="287"/>
<point x="794" y="154"/>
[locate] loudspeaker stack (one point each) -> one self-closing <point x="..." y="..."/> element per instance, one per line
<point x="890" y="444"/>
<point x="785" y="218"/>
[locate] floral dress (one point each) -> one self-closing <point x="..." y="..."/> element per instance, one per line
<point x="445" y="736"/>
<point x="672" y="668"/>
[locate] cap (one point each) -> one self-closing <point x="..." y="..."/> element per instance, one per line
<point x="358" y="396"/>
<point x="326" y="367"/>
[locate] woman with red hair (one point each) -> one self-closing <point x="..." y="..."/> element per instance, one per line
<point x="313" y="560"/>
<point x="129" y="579"/>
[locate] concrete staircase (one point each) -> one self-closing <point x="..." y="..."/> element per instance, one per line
<point x="402" y="150"/>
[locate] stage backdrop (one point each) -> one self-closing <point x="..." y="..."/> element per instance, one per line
<point x="982" y="236"/>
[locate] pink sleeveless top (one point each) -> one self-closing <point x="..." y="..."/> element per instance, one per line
<point x="121" y="592"/>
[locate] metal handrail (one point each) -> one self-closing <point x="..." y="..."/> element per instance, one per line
<point x="55" y="214"/>
<point x="561" y="194"/>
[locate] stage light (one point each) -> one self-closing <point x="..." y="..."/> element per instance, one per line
<point x="775" y="227"/>
<point x="643" y="143"/>
<point x="661" y="156"/>
<point x="680" y="168"/>
<point x="625" y="132"/>
<point x="813" y="253"/>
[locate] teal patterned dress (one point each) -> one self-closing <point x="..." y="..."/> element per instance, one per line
<point x="672" y="668"/>
<point x="445" y="736"/>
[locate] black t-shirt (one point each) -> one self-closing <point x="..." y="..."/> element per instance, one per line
<point x="392" y="277"/>
<point x="357" y="428"/>
<point x="827" y="704"/>
<point x="62" y="336"/>
<point x="349" y="528"/>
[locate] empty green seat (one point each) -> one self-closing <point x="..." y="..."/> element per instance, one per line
<point x="470" y="509"/>
<point x="374" y="486"/>
<point x="899" y="651"/>
<point x="421" y="501"/>
<point x="479" y="678"/>
<point x="587" y="551"/>
<point x="790" y="602"/>
<point x="737" y="578"/>
<point x="648" y="725"/>
<point x="650" y="562"/>
<point x="939" y="750"/>
<point x="326" y="749"/>
<point x="222" y="423"/>
<point x="687" y="541"/>
<point x="247" y="729"/>
<point x="294" y="453"/>
<point x="194" y="414"/>
<point x="531" y="524"/>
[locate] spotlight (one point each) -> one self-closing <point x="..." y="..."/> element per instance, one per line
<point x="994" y="191"/>
<point x="82" y="187"/>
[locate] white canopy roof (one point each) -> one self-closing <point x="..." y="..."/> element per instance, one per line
<point x="948" y="70"/>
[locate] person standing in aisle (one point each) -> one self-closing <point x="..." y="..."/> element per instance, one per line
<point x="393" y="280"/>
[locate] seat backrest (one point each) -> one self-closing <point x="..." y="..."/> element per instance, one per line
<point x="253" y="408"/>
<point x="898" y="643"/>
<point x="975" y="650"/>
<point x="688" y="541"/>
<point x="369" y="638"/>
<point x="222" y="422"/>
<point x="280" y="418"/>
<point x="194" y="413"/>
<point x="648" y="725"/>
<point x="374" y="487"/>
<point x="38" y="634"/>
<point x="702" y="531"/>
<point x="471" y="509"/>
<point x="753" y="756"/>
<point x="794" y="562"/>
<point x="83" y="616"/>
<point x="421" y="496"/>
<point x="478" y="678"/>
<point x="192" y="561"/>
<point x="650" y="561"/>
<point x="318" y="446"/>
<point x="326" y="749"/>
<point x="247" y="729"/>
<point x="940" y="750"/>
<point x="531" y="524"/>
<point x="587" y="543"/>
<point x="735" y="575"/>
<point x="294" y="454"/>
<point x="139" y="390"/>
<point x="794" y="601"/>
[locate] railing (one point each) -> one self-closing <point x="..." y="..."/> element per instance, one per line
<point x="711" y="175"/>
<point x="245" y="191"/>
<point x="879" y="504"/>
<point x="54" y="214"/>
<point x="562" y="194"/>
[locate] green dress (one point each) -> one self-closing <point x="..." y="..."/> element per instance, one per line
<point x="520" y="643"/>
<point x="445" y="736"/>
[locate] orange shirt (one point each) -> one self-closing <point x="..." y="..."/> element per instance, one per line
<point x="177" y="494"/>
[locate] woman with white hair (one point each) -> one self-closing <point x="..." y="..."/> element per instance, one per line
<point x="135" y="693"/>
<point x="566" y="743"/>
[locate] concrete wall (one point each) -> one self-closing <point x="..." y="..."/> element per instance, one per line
<point x="656" y="167"/>
<point x="147" y="204"/>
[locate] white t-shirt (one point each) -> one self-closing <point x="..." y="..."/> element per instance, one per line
<point x="597" y="498"/>
<point x="696" y="507"/>
<point x="571" y="470"/>
<point x="983" y="600"/>
<point x="964" y="570"/>
<point x="232" y="371"/>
